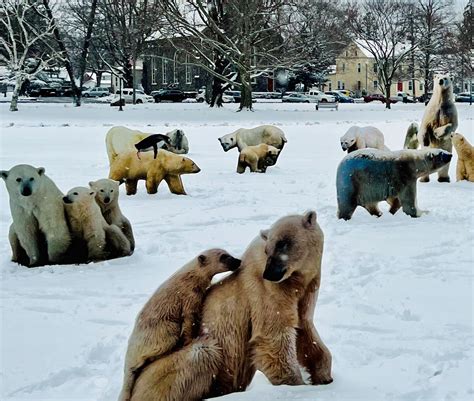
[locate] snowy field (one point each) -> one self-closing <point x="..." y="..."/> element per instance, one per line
<point x="396" y="300"/>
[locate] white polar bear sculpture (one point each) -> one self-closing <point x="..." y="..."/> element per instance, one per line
<point x="244" y="137"/>
<point x="39" y="233"/>
<point x="357" y="138"/>
<point x="440" y="120"/>
<point x="121" y="140"/>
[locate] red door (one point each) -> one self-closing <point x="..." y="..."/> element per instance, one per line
<point x="269" y="84"/>
<point x="400" y="86"/>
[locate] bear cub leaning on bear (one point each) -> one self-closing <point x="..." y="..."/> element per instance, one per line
<point x="171" y="316"/>
<point x="92" y="235"/>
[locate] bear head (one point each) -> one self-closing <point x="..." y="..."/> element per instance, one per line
<point x="79" y="196"/>
<point x="23" y="180"/>
<point x="271" y="156"/>
<point x="215" y="261"/>
<point x="349" y="139"/>
<point x="458" y="141"/>
<point x="106" y="192"/>
<point x="433" y="160"/>
<point x="442" y="83"/>
<point x="188" y="166"/>
<point x="291" y="246"/>
<point x="228" y="141"/>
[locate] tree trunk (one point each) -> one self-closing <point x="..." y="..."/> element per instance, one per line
<point x="134" y="78"/>
<point x="98" y="77"/>
<point x="245" y="91"/>
<point x="16" y="93"/>
<point x="387" y="96"/>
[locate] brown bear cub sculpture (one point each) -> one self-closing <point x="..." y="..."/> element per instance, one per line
<point x="167" y="166"/>
<point x="93" y="238"/>
<point x="106" y="196"/>
<point x="369" y="176"/>
<point x="257" y="158"/>
<point x="171" y="317"/>
<point x="465" y="151"/>
<point x="260" y="317"/>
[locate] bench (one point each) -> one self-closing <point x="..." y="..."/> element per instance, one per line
<point x="327" y="105"/>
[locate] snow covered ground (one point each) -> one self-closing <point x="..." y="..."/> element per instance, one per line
<point x="396" y="302"/>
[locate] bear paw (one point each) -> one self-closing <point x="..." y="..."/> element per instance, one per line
<point x="444" y="179"/>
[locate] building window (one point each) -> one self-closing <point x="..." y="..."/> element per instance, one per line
<point x="343" y="86"/>
<point x="347" y="53"/>
<point x="175" y="68"/>
<point x="375" y="67"/>
<point x="410" y="85"/>
<point x="188" y="70"/>
<point x="376" y="85"/>
<point x="330" y="86"/>
<point x="153" y="71"/>
<point x="343" y="67"/>
<point x="338" y="84"/>
<point x="358" y="67"/>
<point x="359" y="85"/>
<point x="421" y="86"/>
<point x="164" y="66"/>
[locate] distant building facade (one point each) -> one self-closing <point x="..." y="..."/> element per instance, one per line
<point x="356" y="70"/>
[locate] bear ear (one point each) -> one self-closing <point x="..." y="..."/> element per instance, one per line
<point x="202" y="259"/>
<point x="264" y="234"/>
<point x="4" y="174"/>
<point x="40" y="170"/>
<point x="309" y="219"/>
<point x="91" y="183"/>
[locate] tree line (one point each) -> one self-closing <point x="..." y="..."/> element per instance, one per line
<point x="235" y="41"/>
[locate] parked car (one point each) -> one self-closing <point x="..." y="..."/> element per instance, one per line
<point x="464" y="97"/>
<point x="98" y="91"/>
<point x="345" y="92"/>
<point x="377" y="97"/>
<point x="299" y="98"/>
<point x="340" y="97"/>
<point x="425" y="98"/>
<point x="403" y="97"/>
<point x="127" y="96"/>
<point x="234" y="94"/>
<point x="170" y="95"/>
<point x="319" y="96"/>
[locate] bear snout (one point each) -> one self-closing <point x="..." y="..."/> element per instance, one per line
<point x="446" y="157"/>
<point x="441" y="82"/>
<point x="196" y="169"/>
<point x="233" y="263"/>
<point x="344" y="146"/>
<point x="67" y="200"/>
<point x="106" y="199"/>
<point x="275" y="269"/>
<point x="26" y="190"/>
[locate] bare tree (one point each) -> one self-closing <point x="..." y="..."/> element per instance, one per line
<point x="128" y="25"/>
<point x="248" y="34"/>
<point x="318" y="28"/>
<point x="381" y="27"/>
<point x="74" y="70"/>
<point x="431" y="29"/>
<point x="25" y="33"/>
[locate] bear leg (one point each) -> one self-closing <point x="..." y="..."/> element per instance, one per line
<point x="443" y="174"/>
<point x="186" y="374"/>
<point x="461" y="172"/>
<point x="275" y="356"/>
<point x="152" y="183"/>
<point x="241" y="167"/>
<point x="408" y="200"/>
<point x="175" y="184"/>
<point x="29" y="237"/>
<point x="96" y="247"/>
<point x="117" y="242"/>
<point x="395" y="205"/>
<point x="18" y="253"/>
<point x="128" y="232"/>
<point x="373" y="209"/>
<point x="131" y="186"/>
<point x="425" y="178"/>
